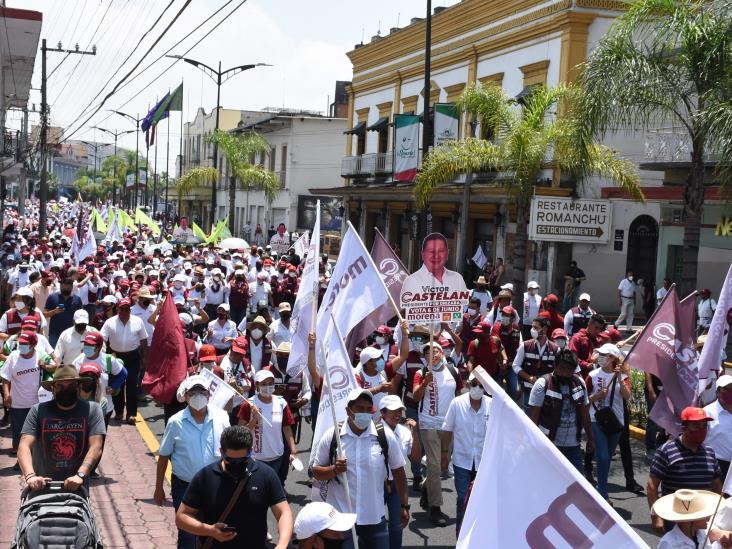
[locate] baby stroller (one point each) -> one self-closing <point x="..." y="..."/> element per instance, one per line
<point x="55" y="518"/>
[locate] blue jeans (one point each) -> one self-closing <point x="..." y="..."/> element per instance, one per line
<point x="574" y="456"/>
<point x="463" y="478"/>
<point x="416" y="466"/>
<point x="393" y="504"/>
<point x="604" y="449"/>
<point x="177" y="491"/>
<point x="276" y="465"/>
<point x="370" y="536"/>
<point x="17" y="419"/>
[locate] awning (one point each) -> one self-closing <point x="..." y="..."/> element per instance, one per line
<point x="358" y="129"/>
<point x="523" y="94"/>
<point x="381" y="124"/>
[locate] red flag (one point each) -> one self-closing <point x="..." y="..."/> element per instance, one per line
<point x="666" y="348"/>
<point x="167" y="360"/>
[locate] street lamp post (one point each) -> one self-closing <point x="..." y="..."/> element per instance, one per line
<point x="96" y="146"/>
<point x="115" y="134"/>
<point x="136" y="120"/>
<point x="219" y="77"/>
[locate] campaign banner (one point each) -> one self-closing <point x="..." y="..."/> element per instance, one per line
<point x="406" y="149"/>
<point x="220" y="391"/>
<point x="301" y="244"/>
<point x="130" y="180"/>
<point x="434" y="293"/>
<point x="710" y="358"/>
<point x="553" y="507"/>
<point x="447" y="123"/>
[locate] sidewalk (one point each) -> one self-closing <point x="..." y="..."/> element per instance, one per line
<point x="122" y="499"/>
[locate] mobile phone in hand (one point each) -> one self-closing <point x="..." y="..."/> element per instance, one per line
<point x="228" y="529"/>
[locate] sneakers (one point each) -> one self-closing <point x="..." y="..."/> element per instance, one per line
<point x="417" y="484"/>
<point x="437" y="517"/>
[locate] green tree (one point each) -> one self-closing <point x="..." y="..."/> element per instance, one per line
<point x="239" y="150"/>
<point x="666" y="63"/>
<point x="548" y="131"/>
<point x="193" y="178"/>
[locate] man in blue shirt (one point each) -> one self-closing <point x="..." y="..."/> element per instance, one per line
<point x="191" y="441"/>
<point x="60" y="309"/>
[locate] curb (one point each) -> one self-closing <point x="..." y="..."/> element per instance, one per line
<point x="635" y="432"/>
<point x="151" y="442"/>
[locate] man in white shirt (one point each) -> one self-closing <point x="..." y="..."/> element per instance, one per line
<point x="143" y="308"/>
<point x="464" y="426"/>
<point x="719" y="431"/>
<point x="71" y="341"/>
<point x="531" y="308"/>
<point x="481" y="293"/>
<point x="705" y="311"/>
<point x="126" y="337"/>
<point x="662" y="291"/>
<point x="367" y="468"/>
<point x="626" y="301"/>
<point x="281" y="330"/>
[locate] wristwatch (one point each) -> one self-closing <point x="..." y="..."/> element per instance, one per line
<point x="81" y="475"/>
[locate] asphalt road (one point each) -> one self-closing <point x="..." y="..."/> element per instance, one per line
<point x="421" y="533"/>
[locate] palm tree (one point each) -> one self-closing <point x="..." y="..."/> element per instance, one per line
<point x="195" y="177"/>
<point x="666" y="62"/>
<point x="524" y="139"/>
<point x="239" y="151"/>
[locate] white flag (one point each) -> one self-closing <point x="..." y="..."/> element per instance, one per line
<point x="75" y="248"/>
<point x="89" y="247"/>
<point x="479" y="258"/>
<point x="113" y="231"/>
<point x="553" y="507"/>
<point x="220" y="391"/>
<point x="302" y="312"/>
<point x="301" y="244"/>
<point x="710" y="359"/>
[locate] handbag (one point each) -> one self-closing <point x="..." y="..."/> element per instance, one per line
<point x="605" y="418"/>
<point x="227" y="510"/>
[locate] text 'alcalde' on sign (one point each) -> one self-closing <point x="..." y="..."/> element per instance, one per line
<point x="567" y="220"/>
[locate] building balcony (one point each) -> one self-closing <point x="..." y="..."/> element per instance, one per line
<point x="10" y="145"/>
<point x="367" y="165"/>
<point x="282" y="178"/>
<point x="672" y="145"/>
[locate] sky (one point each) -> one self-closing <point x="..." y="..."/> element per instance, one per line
<point x="306" y="41"/>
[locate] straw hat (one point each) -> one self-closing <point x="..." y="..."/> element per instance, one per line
<point x="67" y="372"/>
<point x="481" y="280"/>
<point x="686" y="505"/>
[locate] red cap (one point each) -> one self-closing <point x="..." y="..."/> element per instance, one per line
<point x="207" y="353"/>
<point x="292" y="269"/>
<point x="508" y="310"/>
<point x="29" y="324"/>
<point x="28" y="337"/>
<point x="267" y="262"/>
<point x="691" y="413"/>
<point x="559" y="333"/>
<point x="124" y="303"/>
<point x="240" y="345"/>
<point x="46" y="274"/>
<point x="90" y="368"/>
<point x="93" y="338"/>
<point x="383" y="329"/>
<point x="613" y="334"/>
<point x="443" y="341"/>
<point x="551" y="299"/>
<point x="482" y="327"/>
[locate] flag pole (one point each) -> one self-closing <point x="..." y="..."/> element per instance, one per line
<point x="336" y="431"/>
<point x="167" y="171"/>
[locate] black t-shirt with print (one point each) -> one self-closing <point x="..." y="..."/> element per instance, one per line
<point x="62" y="436"/>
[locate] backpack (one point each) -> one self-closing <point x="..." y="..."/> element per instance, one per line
<point x="453" y="373"/>
<point x="383" y="443"/>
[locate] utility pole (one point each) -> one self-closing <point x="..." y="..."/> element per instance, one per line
<point x="426" y="109"/>
<point x="22" y="182"/>
<point x="43" y="190"/>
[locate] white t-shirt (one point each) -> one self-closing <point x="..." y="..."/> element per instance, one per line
<point x="219" y="332"/>
<point x="404" y="435"/>
<point x="599" y="380"/>
<point x="719" y="435"/>
<point x="437" y="398"/>
<point x="24" y="375"/>
<point x="369" y="382"/>
<point x="627" y="288"/>
<point x="267" y="442"/>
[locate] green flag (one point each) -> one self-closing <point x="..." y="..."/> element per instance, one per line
<point x="198" y="232"/>
<point x="175" y="103"/>
<point x="141" y="218"/>
<point x="99" y="224"/>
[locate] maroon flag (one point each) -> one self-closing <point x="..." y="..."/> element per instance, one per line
<point x="666" y="348"/>
<point x="167" y="360"/>
<point x="393" y="272"/>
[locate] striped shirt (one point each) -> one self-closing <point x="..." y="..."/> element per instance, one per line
<point x="679" y="467"/>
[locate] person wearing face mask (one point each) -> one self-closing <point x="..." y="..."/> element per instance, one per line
<point x="295" y="390"/>
<point x="719" y="433"/>
<point x="18" y="277"/>
<point x="684" y="462"/>
<point x="217" y="292"/>
<point x="435" y="386"/>
<point x="143" y="308"/>
<point x="222" y="331"/>
<point x="559" y="337"/>
<point x="112" y="371"/>
<point x="67" y="420"/>
<point x="531" y="308"/>
<point x="370" y="374"/>
<point x="584" y="343"/>
<point x="320" y="526"/>
<point x="11" y="320"/>
<point x="220" y="496"/>
<point x="471" y="319"/>
<point x="371" y="455"/>
<point x="556" y="321"/>
<point x="481" y="293"/>
<point x="239" y="295"/>
<point x="260" y="290"/>
<point x="43" y="288"/>
<point x="270" y="420"/>
<point x="578" y="317"/>
<point x="108" y="310"/>
<point x="626" y="302"/>
<point x="60" y="309"/>
<point x="191" y="442"/>
<point x="463" y="434"/>
<point x="559" y="405"/>
<point x="259" y="348"/>
<point x="281" y="330"/>
<point x="70" y="342"/>
<point x="608" y="387"/>
<point x="508" y="331"/>
<point x="534" y="358"/>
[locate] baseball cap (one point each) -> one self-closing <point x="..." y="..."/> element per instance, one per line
<point x="584" y="297"/>
<point x="610" y="349"/>
<point x="261" y="375"/>
<point x="318" y="516"/>
<point x="435" y="345"/>
<point x="90" y="368"/>
<point x="724" y="381"/>
<point x="369" y="353"/>
<point x="224" y="307"/>
<point x="28" y="337"/>
<point x="109" y="299"/>
<point x="384" y="330"/>
<point x="81" y="317"/>
<point x="125" y="303"/>
<point x="508" y="310"/>
<point x="195" y="381"/>
<point x="559" y="334"/>
<point x="185" y="318"/>
<point x="240" y="345"/>
<point x="533" y="285"/>
<point x="391" y="402"/>
<point x="357" y="393"/>
<point x="285" y="306"/>
<point x="25" y="291"/>
<point x="690" y="413"/>
<point x="94" y="338"/>
<point x="207" y="353"/>
<point x="483" y="326"/>
<point x="29" y="324"/>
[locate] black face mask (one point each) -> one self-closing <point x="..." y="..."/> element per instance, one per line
<point x="65" y="293"/>
<point x="285" y="316"/>
<point x="67" y="396"/>
<point x="236" y="467"/>
<point x="331" y="543"/>
<point x="80" y="328"/>
<point x="282" y="363"/>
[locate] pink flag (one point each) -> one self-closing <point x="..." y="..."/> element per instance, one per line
<point x="711" y="355"/>
<point x="666" y="348"/>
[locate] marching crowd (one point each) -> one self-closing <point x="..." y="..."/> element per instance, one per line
<point x="76" y="333"/>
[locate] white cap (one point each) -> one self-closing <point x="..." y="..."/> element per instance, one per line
<point x="507" y="286"/>
<point x="81" y="317"/>
<point x="533" y="285"/>
<point x="584" y="297"/>
<point x="185" y="318"/>
<point x="187" y="265"/>
<point x="318" y="516"/>
<point x="25" y="291"/>
<point x="723" y="381"/>
<point x="357" y="393"/>
<point x="120" y="274"/>
<point x="179" y="300"/>
<point x="215" y="271"/>
<point x="610" y="349"/>
<point x="262" y="276"/>
<point x="391" y="402"/>
<point x="180" y="278"/>
<point x="239" y="272"/>
<point x="224" y="306"/>
<point x="109" y="299"/>
<point x="261" y="375"/>
<point x="153" y="272"/>
<point x="369" y="353"/>
<point x="193" y="381"/>
<point x="434" y="344"/>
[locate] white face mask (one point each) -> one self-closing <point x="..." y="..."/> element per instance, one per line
<point x="178" y="285"/>
<point x="257" y="333"/>
<point x="19" y="304"/>
<point x="476" y="393"/>
<point x="473" y="312"/>
<point x="505" y="321"/>
<point x="198" y="401"/>
<point x="561" y="343"/>
<point x="534" y="333"/>
<point x="266" y="390"/>
<point x="380" y="340"/>
<point x="603" y="361"/>
<point x="630" y="278"/>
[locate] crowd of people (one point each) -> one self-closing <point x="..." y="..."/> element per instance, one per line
<point x="77" y="334"/>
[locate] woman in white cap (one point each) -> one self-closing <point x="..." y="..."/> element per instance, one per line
<point x="23" y="307"/>
<point x="320" y="526"/>
<point x="222" y="330"/>
<point x="690" y="511"/>
<point x="608" y="386"/>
